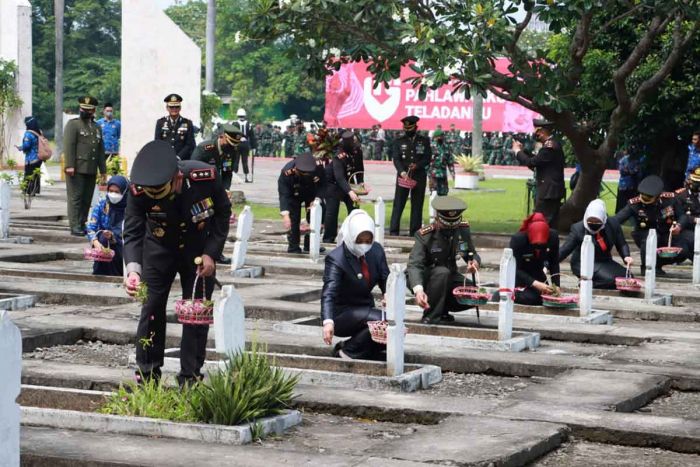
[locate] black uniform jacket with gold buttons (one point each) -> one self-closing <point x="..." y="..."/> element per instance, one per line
<point x="192" y="222"/>
<point x="660" y="215"/>
<point x="179" y="134"/>
<point x="293" y="187"/>
<point x="408" y="150"/>
<point x="439" y="247"/>
<point x="345" y="166"/>
<point x="529" y="263"/>
<point x="689" y="204"/>
<point x="548" y="165"/>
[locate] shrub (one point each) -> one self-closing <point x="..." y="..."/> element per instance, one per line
<point x="473" y="164"/>
<point x="151" y="399"/>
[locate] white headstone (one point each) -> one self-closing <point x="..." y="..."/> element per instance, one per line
<point x="395" y="312"/>
<point x="431" y="209"/>
<point x="379" y="220"/>
<point x="229" y="322"/>
<point x="46" y="178"/>
<point x="5" y="197"/>
<point x="16" y="46"/>
<point x="696" y="254"/>
<point x="315" y="233"/>
<point x="11" y="371"/>
<point x="506" y="282"/>
<point x="244" y="230"/>
<point x="158" y="58"/>
<point x="650" y="265"/>
<point x="587" y="268"/>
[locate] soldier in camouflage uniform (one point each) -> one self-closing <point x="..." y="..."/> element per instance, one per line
<point x="277" y="138"/>
<point x="443" y="160"/>
<point x="266" y="141"/>
<point x="300" y="144"/>
<point x="289" y="141"/>
<point x="453" y="140"/>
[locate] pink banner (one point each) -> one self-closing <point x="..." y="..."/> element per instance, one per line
<point x="352" y="103"/>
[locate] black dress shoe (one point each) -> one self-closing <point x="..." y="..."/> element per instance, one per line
<point x="320" y="250"/>
<point x="223" y="260"/>
<point x="447" y="318"/>
<point x="660" y="272"/>
<point x="296" y="251"/>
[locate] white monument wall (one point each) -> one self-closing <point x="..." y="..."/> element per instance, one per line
<point x="158" y="58"/>
<point x="16" y="45"/>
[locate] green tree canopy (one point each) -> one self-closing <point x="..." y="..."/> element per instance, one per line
<point x="619" y="51"/>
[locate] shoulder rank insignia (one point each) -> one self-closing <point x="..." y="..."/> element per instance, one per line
<point x="200" y="175"/>
<point x="680" y="191"/>
<point x="464" y="224"/>
<point x="635" y="200"/>
<point x="289" y="173"/>
<point x="342" y="155"/>
<point x="209" y="147"/>
<point x="550" y="143"/>
<point x="668" y="194"/>
<point x="427" y="229"/>
<point x="136" y="190"/>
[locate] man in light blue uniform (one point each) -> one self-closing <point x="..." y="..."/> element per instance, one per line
<point x="111" y="131"/>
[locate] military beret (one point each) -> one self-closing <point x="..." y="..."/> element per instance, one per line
<point x="173" y="100"/>
<point x="449" y="206"/>
<point x="542" y="123"/>
<point x="87" y="103"/>
<point x="410" y="120"/>
<point x="155" y="164"/>
<point x="305" y="162"/>
<point x="651" y="186"/>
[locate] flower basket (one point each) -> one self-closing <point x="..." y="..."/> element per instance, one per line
<point x="628" y="283"/>
<point x="233" y="219"/>
<point x="195" y="310"/>
<point x="360" y="189"/>
<point x="668" y="252"/>
<point x="100" y="255"/>
<point x="304" y="227"/>
<point x="471" y="295"/>
<point x="377" y="329"/>
<point x="560" y="301"/>
<point x="406" y="183"/>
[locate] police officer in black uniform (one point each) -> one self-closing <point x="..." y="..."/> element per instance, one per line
<point x="411" y="155"/>
<point x="175" y="129"/>
<point x="656" y="209"/>
<point x="548" y="165"/>
<point x="177" y="214"/>
<point x="220" y="152"/>
<point x="688" y="199"/>
<point x="347" y="164"/>
<point x="432" y="264"/>
<point x="299" y="183"/>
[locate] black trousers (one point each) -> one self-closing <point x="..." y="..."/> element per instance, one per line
<point x="352" y="323"/>
<point x="604" y="274"/>
<point x="550" y="209"/>
<point x="417" y="199"/>
<point x="226" y="177"/>
<point x="640" y="239"/>
<point x="241" y="155"/>
<point x="528" y="296"/>
<point x="439" y="285"/>
<point x="334" y="197"/>
<point x="34" y="180"/>
<point x="160" y="265"/>
<point x="294" y="236"/>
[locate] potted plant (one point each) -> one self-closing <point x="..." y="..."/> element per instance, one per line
<point x="471" y="166"/>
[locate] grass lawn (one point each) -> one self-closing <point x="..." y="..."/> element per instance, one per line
<point x="497" y="212"/>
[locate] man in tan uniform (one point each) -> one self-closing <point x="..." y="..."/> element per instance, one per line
<point x="84" y="155"/>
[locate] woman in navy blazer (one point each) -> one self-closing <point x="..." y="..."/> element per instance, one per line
<point x="352" y="270"/>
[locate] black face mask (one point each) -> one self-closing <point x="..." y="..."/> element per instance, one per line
<point x="348" y="146"/>
<point x="85" y="115"/>
<point x="594" y="227"/>
<point x="440" y="140"/>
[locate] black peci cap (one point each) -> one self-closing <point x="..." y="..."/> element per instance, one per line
<point x="410" y="120"/>
<point x="155" y="164"/>
<point x="305" y="162"/>
<point x="651" y="186"/>
<point x="173" y="100"/>
<point x="542" y="123"/>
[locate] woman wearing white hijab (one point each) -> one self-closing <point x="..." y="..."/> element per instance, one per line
<point x="606" y="233"/>
<point x="352" y="271"/>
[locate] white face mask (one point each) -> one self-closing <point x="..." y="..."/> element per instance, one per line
<point x="115" y="198"/>
<point x="362" y="249"/>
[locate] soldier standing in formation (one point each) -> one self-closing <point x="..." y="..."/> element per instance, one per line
<point x="289" y="136"/>
<point x="277" y="138"/>
<point x="221" y="152"/>
<point x="441" y="163"/>
<point x="84" y="156"/>
<point x="347" y="167"/>
<point x="548" y="165"/>
<point x="175" y="129"/>
<point x="453" y="140"/>
<point x="300" y="182"/>
<point x="432" y="264"/>
<point x="266" y="141"/>
<point x="411" y="155"/>
<point x="656" y="209"/>
<point x="177" y="212"/>
<point x="248" y="143"/>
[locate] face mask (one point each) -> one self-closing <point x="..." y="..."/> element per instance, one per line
<point x="85" y="115"/>
<point x="594" y="227"/>
<point x="363" y="248"/>
<point x="440" y="140"/>
<point x="109" y="114"/>
<point x="115" y="198"/>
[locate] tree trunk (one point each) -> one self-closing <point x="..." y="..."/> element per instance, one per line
<point x="477" y="128"/>
<point x="58" y="120"/>
<point x="211" y="46"/>
<point x="587" y="188"/>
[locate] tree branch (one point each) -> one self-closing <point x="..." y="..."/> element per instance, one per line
<point x="519" y="28"/>
<point x="624" y="15"/>
<point x="579" y="47"/>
